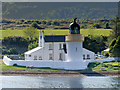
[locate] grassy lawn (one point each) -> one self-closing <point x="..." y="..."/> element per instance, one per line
<point x="104" y="32"/>
<point x="15" y="68"/>
<point x="106" y="66"/>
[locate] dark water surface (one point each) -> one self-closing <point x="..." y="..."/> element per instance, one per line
<point x="59" y="82"/>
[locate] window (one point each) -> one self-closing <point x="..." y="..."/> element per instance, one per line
<point x="40" y="58"/>
<point x="88" y="56"/>
<point x="83" y="56"/>
<point x="50" y="46"/>
<point x="60" y="46"/>
<point x="50" y="57"/>
<point x="60" y="56"/>
<point x="35" y="57"/>
<point x="64" y="48"/>
<point x="29" y="55"/>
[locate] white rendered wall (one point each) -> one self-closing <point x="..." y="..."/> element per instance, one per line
<point x="88" y="52"/>
<point x="53" y="64"/>
<point x="55" y="51"/>
<point x="30" y="56"/>
<point x="74" y="51"/>
<point x="45" y="51"/>
<point x="46" y="63"/>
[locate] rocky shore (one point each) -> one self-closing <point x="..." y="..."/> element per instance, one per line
<point x="65" y="73"/>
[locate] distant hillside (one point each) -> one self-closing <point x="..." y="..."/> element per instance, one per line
<point x="58" y="10"/>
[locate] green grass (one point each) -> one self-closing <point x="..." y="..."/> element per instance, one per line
<point x="15" y="68"/>
<point x="85" y="32"/>
<point x="106" y="66"/>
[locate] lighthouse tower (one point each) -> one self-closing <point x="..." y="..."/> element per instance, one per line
<point x="74" y="44"/>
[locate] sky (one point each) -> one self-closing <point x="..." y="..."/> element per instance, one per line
<point x="60" y="0"/>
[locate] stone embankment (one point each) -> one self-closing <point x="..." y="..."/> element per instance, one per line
<point x="81" y="73"/>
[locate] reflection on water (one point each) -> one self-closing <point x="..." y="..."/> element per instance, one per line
<point x="59" y="82"/>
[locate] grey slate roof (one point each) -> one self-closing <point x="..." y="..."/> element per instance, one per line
<point x="54" y="38"/>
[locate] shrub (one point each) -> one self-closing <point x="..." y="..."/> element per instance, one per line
<point x="93" y="64"/>
<point x="16" y="40"/>
<point x="114" y="47"/>
<point x="110" y="67"/>
<point x="43" y="22"/>
<point x="30" y="33"/>
<point x="10" y="51"/>
<point x="4" y="51"/>
<point x="35" y="25"/>
<point x="3" y="47"/>
<point x="82" y="26"/>
<point x="48" y="23"/>
<point x="106" y="54"/>
<point x="13" y="51"/>
<point x="97" y="25"/>
<point x="32" y="45"/>
<point x="107" y="25"/>
<point x="116" y="68"/>
<point x="112" y="43"/>
<point x="55" y="23"/>
<point x="22" y="54"/>
<point x="103" y="65"/>
<point x="15" y="64"/>
<point x="106" y="62"/>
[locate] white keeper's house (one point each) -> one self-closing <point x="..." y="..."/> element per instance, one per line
<point x="55" y="48"/>
<point x="58" y="51"/>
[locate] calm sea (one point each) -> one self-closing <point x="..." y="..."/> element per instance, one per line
<point x="59" y="82"/>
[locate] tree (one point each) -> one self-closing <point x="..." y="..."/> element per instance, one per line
<point x="97" y="25"/>
<point x="114" y="47"/>
<point x="32" y="45"/>
<point x="94" y="43"/>
<point x="30" y="33"/>
<point x="13" y="51"/>
<point x="35" y="25"/>
<point x="55" y="23"/>
<point x="112" y="43"/>
<point x="116" y="29"/>
<point x="49" y="23"/>
<point x="107" y="26"/>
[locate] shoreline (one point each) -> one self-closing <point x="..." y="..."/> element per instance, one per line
<point x="62" y="73"/>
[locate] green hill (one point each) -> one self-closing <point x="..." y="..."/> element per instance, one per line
<point x="58" y="10"/>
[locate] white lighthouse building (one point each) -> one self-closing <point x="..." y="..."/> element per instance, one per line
<point x="74" y="43"/>
<point x="64" y="51"/>
<point x="75" y="49"/>
<point x="58" y="51"/>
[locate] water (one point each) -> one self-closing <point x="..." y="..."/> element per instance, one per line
<point x="59" y="82"/>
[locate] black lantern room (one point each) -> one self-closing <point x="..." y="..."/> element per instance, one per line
<point x="74" y="27"/>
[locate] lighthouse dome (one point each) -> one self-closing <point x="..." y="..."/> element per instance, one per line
<point x="74" y="27"/>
